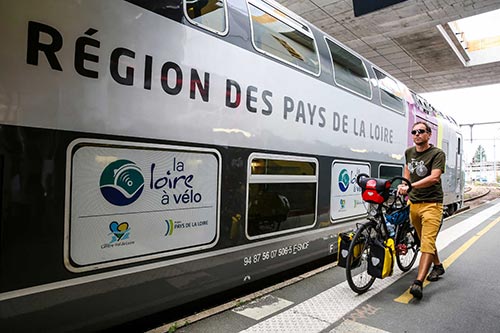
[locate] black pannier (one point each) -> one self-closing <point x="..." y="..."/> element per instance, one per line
<point x="344" y="241"/>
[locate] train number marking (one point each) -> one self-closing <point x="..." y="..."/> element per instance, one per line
<point x="272" y="254"/>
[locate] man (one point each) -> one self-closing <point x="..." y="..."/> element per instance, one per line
<point x="424" y="166"/>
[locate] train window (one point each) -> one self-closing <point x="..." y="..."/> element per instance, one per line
<point x="446" y="147"/>
<point x="416" y="101"/>
<point x="282" y="194"/>
<point x="166" y="8"/>
<point x="387" y="171"/>
<point x="390" y="94"/>
<point x="280" y="36"/>
<point x="439" y="113"/>
<point x="349" y="70"/>
<point x="280" y="167"/>
<point x="208" y="14"/>
<point x="422" y="106"/>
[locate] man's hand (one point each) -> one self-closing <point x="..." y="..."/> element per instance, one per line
<point x="402" y="189"/>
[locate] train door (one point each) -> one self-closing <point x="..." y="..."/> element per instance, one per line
<point x="448" y="177"/>
<point x="460" y="176"/>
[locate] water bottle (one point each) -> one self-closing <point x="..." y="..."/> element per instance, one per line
<point x="390" y="229"/>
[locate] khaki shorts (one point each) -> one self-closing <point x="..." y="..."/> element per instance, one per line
<point x="426" y="218"/>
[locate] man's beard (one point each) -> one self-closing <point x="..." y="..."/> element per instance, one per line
<point x="421" y="143"/>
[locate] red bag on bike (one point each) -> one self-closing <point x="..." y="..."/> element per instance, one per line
<point x="374" y="190"/>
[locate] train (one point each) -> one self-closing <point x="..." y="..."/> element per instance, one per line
<point x="157" y="152"/>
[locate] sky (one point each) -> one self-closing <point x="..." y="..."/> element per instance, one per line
<point x="473" y="105"/>
<point x="474" y="27"/>
<point x="476" y="104"/>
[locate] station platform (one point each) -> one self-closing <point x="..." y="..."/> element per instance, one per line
<point x="465" y="299"/>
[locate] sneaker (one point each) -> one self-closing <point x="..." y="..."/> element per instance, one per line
<point x="416" y="291"/>
<point x="435" y="273"/>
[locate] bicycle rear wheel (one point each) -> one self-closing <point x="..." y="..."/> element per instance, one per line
<point x="357" y="259"/>
<point x="407" y="246"/>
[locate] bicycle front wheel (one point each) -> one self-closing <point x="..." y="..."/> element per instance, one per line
<point x="407" y="246"/>
<point x="357" y="259"/>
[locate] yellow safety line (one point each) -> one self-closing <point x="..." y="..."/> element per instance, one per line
<point x="407" y="297"/>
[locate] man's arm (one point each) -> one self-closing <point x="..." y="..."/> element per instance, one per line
<point x="406" y="172"/>
<point x="430" y="180"/>
<point x="403" y="187"/>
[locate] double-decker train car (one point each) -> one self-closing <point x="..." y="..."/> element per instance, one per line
<point x="154" y="152"/>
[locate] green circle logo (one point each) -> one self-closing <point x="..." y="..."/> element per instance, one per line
<point x="344" y="180"/>
<point x="121" y="182"/>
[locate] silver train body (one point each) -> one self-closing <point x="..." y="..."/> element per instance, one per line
<point x="157" y="152"/>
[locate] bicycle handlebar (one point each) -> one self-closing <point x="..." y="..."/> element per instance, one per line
<point x="364" y="175"/>
<point x="361" y="175"/>
<point x="408" y="183"/>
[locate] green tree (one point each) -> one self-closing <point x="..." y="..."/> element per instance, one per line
<point x="480" y="154"/>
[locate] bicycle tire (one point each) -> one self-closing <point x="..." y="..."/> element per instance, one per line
<point x="407" y="246"/>
<point x="357" y="266"/>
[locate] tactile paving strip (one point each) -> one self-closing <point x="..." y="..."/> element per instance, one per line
<point x="322" y="310"/>
<point x="288" y="322"/>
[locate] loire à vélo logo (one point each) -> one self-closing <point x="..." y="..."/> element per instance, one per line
<point x="121" y="182"/>
<point x="344" y="180"/>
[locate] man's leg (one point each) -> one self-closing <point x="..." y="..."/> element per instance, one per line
<point x="426" y="260"/>
<point x="436" y="260"/>
<point x="423" y="268"/>
<point x="437" y="270"/>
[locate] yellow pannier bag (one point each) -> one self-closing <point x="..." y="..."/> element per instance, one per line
<point x="344" y="241"/>
<point x="381" y="258"/>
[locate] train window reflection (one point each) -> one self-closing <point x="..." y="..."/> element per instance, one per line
<point x="390" y="94"/>
<point x="349" y="70"/>
<point x="282" y="37"/>
<point x="278" y="207"/>
<point x="445" y="147"/>
<point x="387" y="171"/>
<point x="166" y="8"/>
<point x="209" y="14"/>
<point x="282" y="195"/>
<point x="281" y="167"/>
<point x="390" y="171"/>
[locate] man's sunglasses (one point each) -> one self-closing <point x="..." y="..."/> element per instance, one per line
<point x="419" y="131"/>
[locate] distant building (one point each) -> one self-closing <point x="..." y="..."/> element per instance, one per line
<point x="482" y="171"/>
